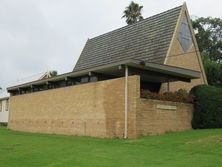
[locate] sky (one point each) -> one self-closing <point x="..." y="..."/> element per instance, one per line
<point x="41" y="35"/>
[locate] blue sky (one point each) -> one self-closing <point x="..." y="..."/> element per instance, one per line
<point x="41" y="35"/>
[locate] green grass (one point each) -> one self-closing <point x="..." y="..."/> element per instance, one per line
<point x="199" y="148"/>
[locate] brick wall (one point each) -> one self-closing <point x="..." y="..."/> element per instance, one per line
<point x="93" y="109"/>
<point x="157" y="117"/>
<point x="189" y="60"/>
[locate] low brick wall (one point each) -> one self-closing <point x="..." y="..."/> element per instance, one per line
<point x="92" y="109"/>
<point x="75" y="110"/>
<point x="97" y="110"/>
<point x="157" y="117"/>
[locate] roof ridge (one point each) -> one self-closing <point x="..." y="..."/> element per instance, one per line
<point x="139" y="22"/>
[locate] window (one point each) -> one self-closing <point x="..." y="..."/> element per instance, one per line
<point x="184" y="35"/>
<point x="0" y="106"/>
<point x="6" y="105"/>
<point x="93" y="78"/>
<point x="84" y="79"/>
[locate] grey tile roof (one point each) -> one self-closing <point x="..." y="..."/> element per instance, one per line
<point x="148" y="40"/>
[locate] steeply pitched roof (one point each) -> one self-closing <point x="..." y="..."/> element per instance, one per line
<point x="148" y="40"/>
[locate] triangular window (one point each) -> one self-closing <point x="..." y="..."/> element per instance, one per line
<point x="184" y="35"/>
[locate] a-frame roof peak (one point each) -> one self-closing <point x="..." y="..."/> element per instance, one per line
<point x="148" y="40"/>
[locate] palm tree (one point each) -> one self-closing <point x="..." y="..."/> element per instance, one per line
<point x="132" y="13"/>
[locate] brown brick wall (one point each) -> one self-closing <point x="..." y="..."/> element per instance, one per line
<point x="189" y="60"/>
<point x="153" y="120"/>
<point x="114" y="107"/>
<point x="94" y="109"/>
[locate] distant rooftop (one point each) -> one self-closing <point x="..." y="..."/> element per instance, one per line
<point x="4" y="94"/>
<point x="32" y="78"/>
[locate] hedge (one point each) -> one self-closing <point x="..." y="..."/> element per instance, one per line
<point x="207" y="107"/>
<point x="178" y="96"/>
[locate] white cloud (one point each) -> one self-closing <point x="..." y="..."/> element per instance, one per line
<point x="45" y="34"/>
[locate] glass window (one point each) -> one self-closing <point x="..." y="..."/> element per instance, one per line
<point x="184" y="35"/>
<point x="93" y="79"/>
<point x="0" y="106"/>
<point x="84" y="79"/>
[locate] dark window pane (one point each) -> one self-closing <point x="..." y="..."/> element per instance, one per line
<point x="84" y="79"/>
<point x="93" y="78"/>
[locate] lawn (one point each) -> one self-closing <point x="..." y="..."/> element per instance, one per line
<point x="197" y="148"/>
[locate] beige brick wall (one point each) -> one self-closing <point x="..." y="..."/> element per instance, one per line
<point x="157" y="117"/>
<point x="114" y="106"/>
<point x="189" y="61"/>
<point x="93" y="109"/>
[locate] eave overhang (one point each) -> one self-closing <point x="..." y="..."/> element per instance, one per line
<point x="148" y="71"/>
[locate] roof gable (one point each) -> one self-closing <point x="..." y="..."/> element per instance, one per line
<point x="185" y="36"/>
<point x="147" y="40"/>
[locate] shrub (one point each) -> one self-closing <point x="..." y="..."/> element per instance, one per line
<point x="177" y="96"/>
<point x="3" y="124"/>
<point x="207" y="107"/>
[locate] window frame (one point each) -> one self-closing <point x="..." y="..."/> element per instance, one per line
<point x="7" y="105"/>
<point x="184" y="35"/>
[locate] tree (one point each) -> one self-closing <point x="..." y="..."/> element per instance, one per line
<point x="213" y="72"/>
<point x="209" y="37"/>
<point x="208" y="32"/>
<point x="53" y="73"/>
<point x="133" y="13"/>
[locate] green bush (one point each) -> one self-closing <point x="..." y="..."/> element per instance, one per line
<point x="207" y="107"/>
